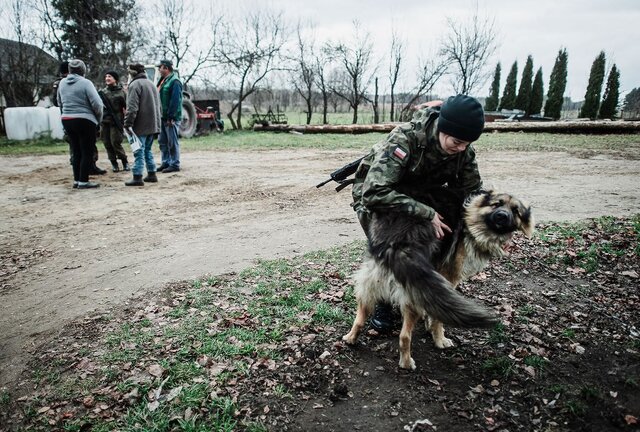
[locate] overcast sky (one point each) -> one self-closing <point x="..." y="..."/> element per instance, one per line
<point x="536" y="27"/>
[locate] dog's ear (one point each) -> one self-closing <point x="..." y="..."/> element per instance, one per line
<point x="526" y="223"/>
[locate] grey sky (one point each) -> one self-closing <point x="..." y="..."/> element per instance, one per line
<point x="539" y="28"/>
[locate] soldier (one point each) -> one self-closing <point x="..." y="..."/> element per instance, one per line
<point x="432" y="150"/>
<point x="111" y="128"/>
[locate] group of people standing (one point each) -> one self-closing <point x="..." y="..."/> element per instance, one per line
<point x="142" y="110"/>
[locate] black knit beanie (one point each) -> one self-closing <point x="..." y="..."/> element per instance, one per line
<point x="114" y="74"/>
<point x="462" y="117"/>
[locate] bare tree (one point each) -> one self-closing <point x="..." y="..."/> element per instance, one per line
<point x="468" y="46"/>
<point x="248" y="50"/>
<point x="182" y="25"/>
<point x="429" y="73"/>
<point x="26" y="70"/>
<point x="356" y="63"/>
<point x="304" y="75"/>
<point x="395" y="64"/>
<point x="321" y="67"/>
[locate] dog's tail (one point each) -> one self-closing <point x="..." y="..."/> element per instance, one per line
<point x="425" y="287"/>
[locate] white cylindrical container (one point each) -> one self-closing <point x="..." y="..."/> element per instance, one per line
<point x="23" y="123"/>
<point x="55" y="124"/>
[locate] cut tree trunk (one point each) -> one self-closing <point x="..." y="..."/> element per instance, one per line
<point x="568" y="127"/>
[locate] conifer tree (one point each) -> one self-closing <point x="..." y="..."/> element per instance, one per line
<point x="594" y="88"/>
<point x="491" y="103"/>
<point x="537" y="94"/>
<point x="524" y="92"/>
<point x="608" y="109"/>
<point x="99" y="32"/>
<point x="557" y="85"/>
<point x="509" y="94"/>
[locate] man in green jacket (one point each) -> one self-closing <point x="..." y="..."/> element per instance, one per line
<point x="170" y="89"/>
<point x="111" y="128"/>
<point x="432" y="150"/>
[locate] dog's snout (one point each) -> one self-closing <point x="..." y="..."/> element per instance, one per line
<point x="501" y="221"/>
<point x="501" y="217"/>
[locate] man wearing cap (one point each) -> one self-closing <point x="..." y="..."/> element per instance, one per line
<point x="111" y="128"/>
<point x="170" y="89"/>
<point x="433" y="149"/>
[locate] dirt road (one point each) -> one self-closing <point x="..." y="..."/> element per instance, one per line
<point x="66" y="253"/>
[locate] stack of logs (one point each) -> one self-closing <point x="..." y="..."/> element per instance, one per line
<point x="565" y="126"/>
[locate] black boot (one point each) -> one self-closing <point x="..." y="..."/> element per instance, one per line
<point x="114" y="166"/>
<point x="125" y="165"/>
<point x="151" y="177"/>
<point x="95" y="170"/>
<point x="135" y="181"/>
<point x="382" y="320"/>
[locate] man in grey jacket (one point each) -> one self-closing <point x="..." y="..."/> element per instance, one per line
<point x="143" y="118"/>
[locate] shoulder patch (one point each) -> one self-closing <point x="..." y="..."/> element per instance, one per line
<point x="400" y="153"/>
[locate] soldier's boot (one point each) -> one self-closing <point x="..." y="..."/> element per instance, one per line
<point x="114" y="166"/>
<point x="135" y="181"/>
<point x="151" y="177"/>
<point x="125" y="165"/>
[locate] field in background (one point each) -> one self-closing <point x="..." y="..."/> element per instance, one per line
<point x="627" y="146"/>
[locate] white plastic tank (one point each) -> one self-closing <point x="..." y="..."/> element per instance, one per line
<point x="23" y="123"/>
<point x="55" y="123"/>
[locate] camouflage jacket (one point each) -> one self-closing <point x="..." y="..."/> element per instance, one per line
<point x="406" y="163"/>
<point x="115" y="94"/>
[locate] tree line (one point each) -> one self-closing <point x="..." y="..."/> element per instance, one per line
<point x="244" y="54"/>
<point x="530" y="94"/>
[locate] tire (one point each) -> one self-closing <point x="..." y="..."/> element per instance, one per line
<point x="189" y="119"/>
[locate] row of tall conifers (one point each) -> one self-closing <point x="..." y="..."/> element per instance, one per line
<point x="529" y="96"/>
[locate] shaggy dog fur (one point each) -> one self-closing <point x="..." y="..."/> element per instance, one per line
<point x="408" y="267"/>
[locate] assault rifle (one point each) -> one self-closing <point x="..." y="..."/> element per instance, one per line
<point x="109" y="107"/>
<point x="340" y="175"/>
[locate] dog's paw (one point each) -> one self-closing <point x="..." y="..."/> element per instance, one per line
<point x="350" y="339"/>
<point x="443" y="343"/>
<point x="407" y="364"/>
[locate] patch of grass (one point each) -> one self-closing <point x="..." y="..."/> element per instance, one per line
<point x="569" y="333"/>
<point x="576" y="407"/>
<point x="537" y="362"/>
<point x="558" y="388"/>
<point x="5" y="397"/>
<point x="499" y="366"/>
<point x="498" y="334"/>
<point x="573" y="244"/>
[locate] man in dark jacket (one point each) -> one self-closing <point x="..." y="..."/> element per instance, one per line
<point x="432" y="150"/>
<point x="111" y="128"/>
<point x="142" y="118"/>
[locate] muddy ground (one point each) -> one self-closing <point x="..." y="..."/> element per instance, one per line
<point x="66" y="253"/>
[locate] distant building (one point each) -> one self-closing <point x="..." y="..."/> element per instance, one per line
<point x="26" y="73"/>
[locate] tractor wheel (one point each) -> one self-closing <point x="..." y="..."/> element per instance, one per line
<point x="189" y="119"/>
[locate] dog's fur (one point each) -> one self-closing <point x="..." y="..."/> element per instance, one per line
<point x="407" y="266"/>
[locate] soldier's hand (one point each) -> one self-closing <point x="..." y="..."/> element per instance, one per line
<point x="439" y="226"/>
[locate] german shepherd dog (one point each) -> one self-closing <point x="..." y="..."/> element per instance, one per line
<point x="409" y="267"/>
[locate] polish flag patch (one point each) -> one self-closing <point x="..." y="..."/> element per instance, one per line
<point x="399" y="153"/>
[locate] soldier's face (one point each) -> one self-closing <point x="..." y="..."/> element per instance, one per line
<point x="109" y="80"/>
<point x="452" y="145"/>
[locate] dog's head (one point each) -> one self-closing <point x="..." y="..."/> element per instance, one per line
<point x="492" y="218"/>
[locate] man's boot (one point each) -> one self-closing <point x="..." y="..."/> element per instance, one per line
<point x="114" y="166"/>
<point x="95" y="170"/>
<point x="382" y="320"/>
<point x="135" y="181"/>
<point x="151" y="178"/>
